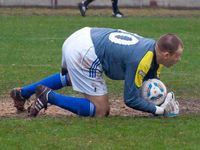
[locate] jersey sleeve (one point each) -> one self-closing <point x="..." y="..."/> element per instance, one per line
<point x="133" y="81"/>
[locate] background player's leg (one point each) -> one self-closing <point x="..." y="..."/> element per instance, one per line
<point x="115" y="8"/>
<point x="83" y="6"/>
<point x="87" y="2"/>
<point x="114" y="5"/>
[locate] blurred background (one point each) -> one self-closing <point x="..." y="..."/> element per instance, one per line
<point x="105" y="3"/>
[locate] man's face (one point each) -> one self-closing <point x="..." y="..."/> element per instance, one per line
<point x="172" y="59"/>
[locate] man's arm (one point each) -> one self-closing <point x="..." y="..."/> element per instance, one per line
<point x="133" y="81"/>
<point x="133" y="99"/>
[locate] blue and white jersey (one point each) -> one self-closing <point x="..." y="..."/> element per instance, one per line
<point x="130" y="57"/>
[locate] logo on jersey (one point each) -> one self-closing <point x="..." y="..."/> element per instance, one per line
<point x="142" y="73"/>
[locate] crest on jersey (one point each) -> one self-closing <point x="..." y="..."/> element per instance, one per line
<point x="142" y="73"/>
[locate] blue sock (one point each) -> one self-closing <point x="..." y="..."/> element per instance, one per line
<point x="55" y="82"/>
<point x="79" y="106"/>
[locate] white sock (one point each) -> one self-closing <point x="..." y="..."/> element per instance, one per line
<point x="159" y="110"/>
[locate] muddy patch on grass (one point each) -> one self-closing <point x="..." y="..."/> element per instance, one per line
<point x="118" y="108"/>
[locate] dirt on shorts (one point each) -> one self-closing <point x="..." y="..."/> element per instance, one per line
<point x="118" y="108"/>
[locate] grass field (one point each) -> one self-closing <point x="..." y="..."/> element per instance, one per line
<point x="114" y="133"/>
<point x="30" y="49"/>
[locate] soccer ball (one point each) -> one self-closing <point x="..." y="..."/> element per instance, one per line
<point x="154" y="90"/>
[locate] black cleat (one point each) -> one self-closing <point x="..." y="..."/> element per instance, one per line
<point x="40" y="101"/>
<point x="82" y="9"/>
<point x="117" y="14"/>
<point x="18" y="99"/>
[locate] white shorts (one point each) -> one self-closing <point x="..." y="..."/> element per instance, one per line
<point x="84" y="68"/>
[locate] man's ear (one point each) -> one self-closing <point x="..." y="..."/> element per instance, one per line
<point x="166" y="55"/>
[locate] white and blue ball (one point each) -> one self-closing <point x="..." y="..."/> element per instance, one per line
<point x="154" y="90"/>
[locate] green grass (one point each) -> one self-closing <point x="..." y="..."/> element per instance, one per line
<point x="114" y="133"/>
<point x="30" y="49"/>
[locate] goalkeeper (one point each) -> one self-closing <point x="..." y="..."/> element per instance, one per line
<point x="121" y="55"/>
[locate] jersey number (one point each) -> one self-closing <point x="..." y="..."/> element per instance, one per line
<point x="123" y="38"/>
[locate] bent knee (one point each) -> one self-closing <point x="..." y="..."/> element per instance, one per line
<point x="101" y="103"/>
<point x="102" y="112"/>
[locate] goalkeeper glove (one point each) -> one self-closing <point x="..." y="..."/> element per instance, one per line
<point x="170" y="105"/>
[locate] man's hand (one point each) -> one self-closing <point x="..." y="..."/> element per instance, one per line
<point x="171" y="106"/>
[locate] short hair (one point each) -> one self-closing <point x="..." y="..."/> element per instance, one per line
<point x="169" y="42"/>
